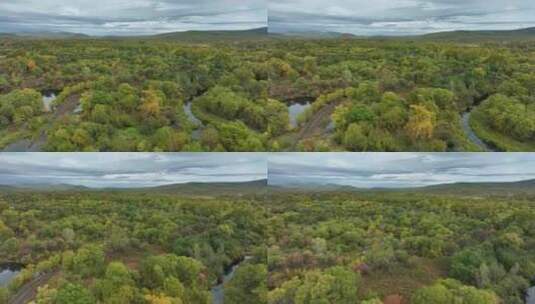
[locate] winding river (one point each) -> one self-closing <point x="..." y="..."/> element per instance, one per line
<point x="218" y="292"/>
<point x="191" y="116"/>
<point x="471" y="135"/>
<point x="465" y="124"/>
<point x="196" y="134"/>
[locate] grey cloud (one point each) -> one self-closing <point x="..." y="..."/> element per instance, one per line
<point x="129" y="169"/>
<point x="368" y="170"/>
<point x="130" y="17"/>
<point x="399" y="17"/>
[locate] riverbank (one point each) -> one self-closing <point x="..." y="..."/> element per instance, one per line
<point x="499" y="142"/>
<point x="218" y="291"/>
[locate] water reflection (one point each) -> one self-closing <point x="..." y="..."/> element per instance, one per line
<point x="296" y="108"/>
<point x="48" y="98"/>
<point x="7" y="272"/>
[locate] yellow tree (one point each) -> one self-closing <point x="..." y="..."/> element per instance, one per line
<point x="150" y="105"/>
<point x="161" y="299"/>
<point x="421" y="123"/>
<point x="31" y="65"/>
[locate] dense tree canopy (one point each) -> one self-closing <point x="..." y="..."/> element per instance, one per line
<point x="399" y="248"/>
<point x="285" y="247"/>
<point x="131" y="248"/>
<point x="366" y="95"/>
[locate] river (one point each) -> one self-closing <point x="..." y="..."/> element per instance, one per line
<point x="465" y="123"/>
<point x="218" y="291"/>
<point x="8" y="271"/>
<point x="196" y="134"/>
<point x="530" y="296"/>
<point x="471" y="135"/>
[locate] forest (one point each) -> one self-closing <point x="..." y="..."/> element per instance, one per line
<point x="284" y="247"/>
<point x="274" y="94"/>
<point x="120" y="247"/>
<point x="394" y="248"/>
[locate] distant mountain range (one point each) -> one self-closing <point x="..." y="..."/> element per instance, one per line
<point x="212" y="35"/>
<point x="458" y="36"/>
<point x="261" y="187"/>
<point x="501" y="188"/>
<point x="192" y="36"/>
<point x="45" y="35"/>
<point x="263" y="33"/>
<point x="209" y="189"/>
<point x="468" y="36"/>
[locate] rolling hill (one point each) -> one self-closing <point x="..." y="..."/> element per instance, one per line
<point x="472" y="36"/>
<point x="189" y="36"/>
<point x="208" y="189"/>
<point x="507" y="188"/>
<point x="200" y="36"/>
<point x="526" y="187"/>
<point x="211" y="189"/>
<point x="525" y="34"/>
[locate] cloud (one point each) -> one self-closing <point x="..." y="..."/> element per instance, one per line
<point x="365" y="170"/>
<point x="129" y="169"/>
<point x="130" y="17"/>
<point x="395" y="170"/>
<point x="399" y="17"/>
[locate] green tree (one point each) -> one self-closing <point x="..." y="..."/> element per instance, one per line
<point x="249" y="285"/>
<point x="74" y="294"/>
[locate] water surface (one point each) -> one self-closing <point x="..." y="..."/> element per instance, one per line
<point x="7" y="272"/>
<point x="218" y="292"/>
<point x="295" y="109"/>
<point x="48" y="98"/>
<point x="465" y="122"/>
<point x="191" y="116"/>
<point x="530" y="296"/>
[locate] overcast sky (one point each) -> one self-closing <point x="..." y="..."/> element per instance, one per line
<point x="98" y="170"/>
<point x="398" y="170"/>
<point x="130" y="17"/>
<point x="399" y="17"/>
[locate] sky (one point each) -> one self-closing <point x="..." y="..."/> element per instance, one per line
<point x="399" y="17"/>
<point x="130" y="17"/>
<point x="398" y="170"/>
<point x="128" y="170"/>
<point x="362" y="170"/>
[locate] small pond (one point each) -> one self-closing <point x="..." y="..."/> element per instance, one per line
<point x="8" y="271"/>
<point x="296" y="107"/>
<point x="48" y="98"/>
